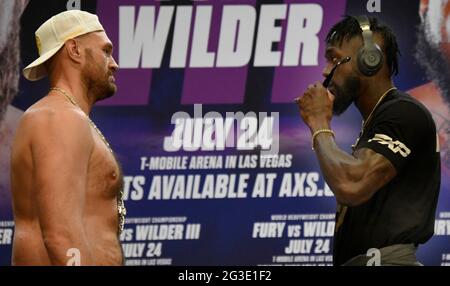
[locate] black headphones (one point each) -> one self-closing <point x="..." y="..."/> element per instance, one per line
<point x="370" y="56"/>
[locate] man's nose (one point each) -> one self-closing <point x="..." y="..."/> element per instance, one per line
<point x="113" y="65"/>
<point x="326" y="70"/>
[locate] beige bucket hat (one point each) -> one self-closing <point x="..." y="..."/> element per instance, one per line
<point x="52" y="35"/>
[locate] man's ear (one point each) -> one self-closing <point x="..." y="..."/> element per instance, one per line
<point x="73" y="49"/>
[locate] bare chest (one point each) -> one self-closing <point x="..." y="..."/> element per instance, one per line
<point x="104" y="173"/>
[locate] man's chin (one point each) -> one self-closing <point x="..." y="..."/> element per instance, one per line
<point x="339" y="109"/>
<point x="337" y="112"/>
<point x="109" y="92"/>
<point x="112" y="89"/>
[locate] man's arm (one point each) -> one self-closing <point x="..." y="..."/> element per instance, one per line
<point x="353" y="179"/>
<point x="61" y="146"/>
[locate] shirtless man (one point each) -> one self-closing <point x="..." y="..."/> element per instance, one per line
<point x="66" y="183"/>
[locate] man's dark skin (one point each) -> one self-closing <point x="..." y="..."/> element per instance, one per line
<point x="354" y="179"/>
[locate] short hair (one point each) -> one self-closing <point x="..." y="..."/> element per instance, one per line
<point x="349" y="27"/>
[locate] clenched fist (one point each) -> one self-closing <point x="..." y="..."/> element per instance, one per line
<point x="316" y="106"/>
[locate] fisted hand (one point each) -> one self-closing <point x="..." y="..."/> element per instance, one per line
<point x="316" y="106"/>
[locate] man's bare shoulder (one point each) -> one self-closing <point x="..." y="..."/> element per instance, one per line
<point x="57" y="117"/>
<point x="54" y="111"/>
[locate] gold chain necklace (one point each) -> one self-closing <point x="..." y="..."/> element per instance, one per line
<point x="121" y="210"/>
<point x="366" y="122"/>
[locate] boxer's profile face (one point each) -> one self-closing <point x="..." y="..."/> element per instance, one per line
<point x="345" y="84"/>
<point x="99" y="66"/>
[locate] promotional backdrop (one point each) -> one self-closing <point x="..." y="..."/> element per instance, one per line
<point x="218" y="167"/>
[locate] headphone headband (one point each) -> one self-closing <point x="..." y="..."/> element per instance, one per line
<point x="370" y="56"/>
<point x="367" y="34"/>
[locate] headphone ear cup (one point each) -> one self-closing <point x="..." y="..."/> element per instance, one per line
<point x="370" y="61"/>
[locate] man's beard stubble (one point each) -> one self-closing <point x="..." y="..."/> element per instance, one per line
<point x="96" y="79"/>
<point x="437" y="65"/>
<point x="9" y="66"/>
<point x="437" y="69"/>
<point x="346" y="94"/>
